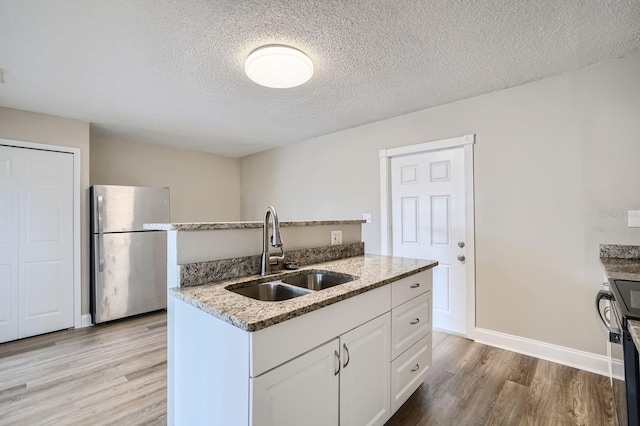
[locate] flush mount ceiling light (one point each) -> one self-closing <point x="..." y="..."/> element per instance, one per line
<point x="279" y="67"/>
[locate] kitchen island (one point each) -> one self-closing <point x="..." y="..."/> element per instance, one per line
<point x="349" y="354"/>
<point x="352" y="353"/>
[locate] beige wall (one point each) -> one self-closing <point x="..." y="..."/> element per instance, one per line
<point x="47" y="129"/>
<point x="550" y="158"/>
<point x="203" y="246"/>
<point x="204" y="187"/>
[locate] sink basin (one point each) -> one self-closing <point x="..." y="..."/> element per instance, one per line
<point x="270" y="292"/>
<point x="314" y="280"/>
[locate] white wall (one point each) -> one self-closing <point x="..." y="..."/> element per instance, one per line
<point x="47" y="129"/>
<point x="550" y="157"/>
<point x="204" y="187"/>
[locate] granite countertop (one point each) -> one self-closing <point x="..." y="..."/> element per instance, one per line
<point x="210" y="226"/>
<point x="253" y="315"/>
<point x="623" y="263"/>
<point x="621" y="269"/>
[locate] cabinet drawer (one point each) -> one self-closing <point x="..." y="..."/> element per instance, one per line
<point x="408" y="371"/>
<point x="410" y="287"/>
<point x="410" y="322"/>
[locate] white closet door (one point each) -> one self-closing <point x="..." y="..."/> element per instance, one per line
<point x="8" y="244"/>
<point x="46" y="242"/>
<point x="36" y="242"/>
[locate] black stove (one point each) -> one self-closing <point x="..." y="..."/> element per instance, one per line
<point x="624" y="305"/>
<point x="627" y="294"/>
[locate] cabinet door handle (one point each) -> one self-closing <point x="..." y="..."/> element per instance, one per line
<point x="415" y="321"/>
<point x="346" y="351"/>
<point x="414" y="369"/>
<point x="416" y="285"/>
<point x="335" y="373"/>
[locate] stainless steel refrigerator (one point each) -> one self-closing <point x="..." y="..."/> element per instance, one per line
<point x="128" y="264"/>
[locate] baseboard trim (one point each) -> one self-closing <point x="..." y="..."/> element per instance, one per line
<point x="587" y="361"/>
<point x="618" y="370"/>
<point x="452" y="333"/>
<point x="86" y="321"/>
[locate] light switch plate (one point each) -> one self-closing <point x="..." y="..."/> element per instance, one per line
<point x="336" y="237"/>
<point x="366" y="217"/>
<point x="634" y="218"/>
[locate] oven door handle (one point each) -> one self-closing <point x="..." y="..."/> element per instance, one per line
<point x="615" y="336"/>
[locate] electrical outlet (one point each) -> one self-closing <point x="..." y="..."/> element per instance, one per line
<point x="366" y="217"/>
<point x="336" y="237"/>
<point x="634" y="218"/>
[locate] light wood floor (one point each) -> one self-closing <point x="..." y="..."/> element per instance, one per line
<point x="102" y="375"/>
<point x="115" y="374"/>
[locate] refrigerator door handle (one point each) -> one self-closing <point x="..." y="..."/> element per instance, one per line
<point x="99" y="208"/>
<point x="101" y="252"/>
<point x="100" y="236"/>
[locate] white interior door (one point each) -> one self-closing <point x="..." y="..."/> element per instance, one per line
<point x="41" y="268"/>
<point x="428" y="216"/>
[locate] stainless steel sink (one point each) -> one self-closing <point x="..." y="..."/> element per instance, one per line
<point x="270" y="292"/>
<point x="315" y="280"/>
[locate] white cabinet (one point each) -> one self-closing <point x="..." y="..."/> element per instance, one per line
<point x="330" y="366"/>
<point x="303" y="391"/>
<point x="353" y="370"/>
<point x="364" y="378"/>
<point x="411" y="318"/>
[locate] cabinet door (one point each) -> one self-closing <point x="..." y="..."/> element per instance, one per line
<point x="365" y="396"/>
<point x="304" y="391"/>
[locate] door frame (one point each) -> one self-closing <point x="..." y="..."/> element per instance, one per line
<point x="76" y="152"/>
<point x="386" y="243"/>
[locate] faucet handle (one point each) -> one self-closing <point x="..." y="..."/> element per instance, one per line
<point x="273" y="260"/>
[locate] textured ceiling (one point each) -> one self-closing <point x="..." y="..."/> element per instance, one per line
<point x="171" y="72"/>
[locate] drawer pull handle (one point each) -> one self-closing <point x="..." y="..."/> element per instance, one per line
<point x="335" y="373"/>
<point x="416" y="285"/>
<point x="415" y="321"/>
<point x="346" y="351"/>
<point x="414" y="369"/>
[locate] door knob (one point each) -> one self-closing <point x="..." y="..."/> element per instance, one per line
<point x="461" y="258"/>
<point x="461" y="244"/>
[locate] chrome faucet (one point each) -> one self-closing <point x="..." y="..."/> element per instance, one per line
<point x="276" y="241"/>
